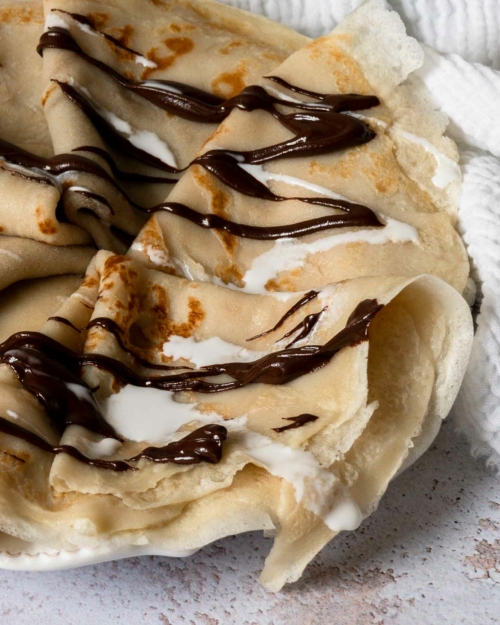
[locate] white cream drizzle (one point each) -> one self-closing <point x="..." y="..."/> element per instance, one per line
<point x="447" y="170"/>
<point x="148" y="414"/>
<point x="53" y="20"/>
<point x="156" y="256"/>
<point x="12" y="414"/>
<point x="101" y="449"/>
<point x="288" y="254"/>
<point x="212" y="351"/>
<point x="143" y="139"/>
<point x="315" y="488"/>
<point x="262" y="175"/>
<point x="56" y="21"/>
<point x="83" y="394"/>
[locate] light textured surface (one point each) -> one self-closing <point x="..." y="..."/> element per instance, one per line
<point x="470" y="28"/>
<point x="430" y="554"/>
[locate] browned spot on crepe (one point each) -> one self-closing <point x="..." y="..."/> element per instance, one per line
<point x="283" y="284"/>
<point x="123" y="34"/>
<point x="231" y="46"/>
<point x="181" y="27"/>
<point x="178" y="45"/>
<point x="21" y="15"/>
<point x="230" y="274"/>
<point x="230" y="83"/>
<point x="48" y="92"/>
<point x="219" y="198"/>
<point x="120" y="265"/>
<point x="196" y="315"/>
<point x="219" y="202"/>
<point x="44" y="224"/>
<point x="2" y="228"/>
<point x="89" y="282"/>
<point x="274" y="56"/>
<point x="152" y="239"/>
<point x="346" y="71"/>
<point x="98" y="19"/>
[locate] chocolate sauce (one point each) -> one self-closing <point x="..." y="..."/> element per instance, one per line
<point x="13" y="429"/>
<point x="127" y="176"/>
<point x="49" y="371"/>
<point x="319" y="127"/>
<point x="97" y="198"/>
<point x="341" y="103"/>
<point x="54" y="165"/>
<point x="297" y="422"/>
<point x="211" y="221"/>
<point x="275" y="368"/>
<point x="315" y="133"/>
<point x="82" y="19"/>
<point x="309" y="296"/>
<point x="109" y="134"/>
<point x="56" y="385"/>
<point x="195" y="104"/>
<point x="202" y="445"/>
<point x="65" y="321"/>
<point x="306" y="326"/>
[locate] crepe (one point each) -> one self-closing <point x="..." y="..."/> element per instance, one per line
<point x="104" y="51"/>
<point x="364" y="411"/>
<point x="162" y="413"/>
<point x="34" y="280"/>
<point x="384" y="174"/>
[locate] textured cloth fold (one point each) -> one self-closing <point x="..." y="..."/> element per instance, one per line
<point x="470" y="28"/>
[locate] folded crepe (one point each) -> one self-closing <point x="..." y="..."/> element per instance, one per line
<point x="34" y="277"/>
<point x="333" y="167"/>
<point x="114" y="78"/>
<point x="203" y="412"/>
<point x="34" y="280"/>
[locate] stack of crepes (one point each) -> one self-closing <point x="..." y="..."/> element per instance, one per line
<point x="262" y="345"/>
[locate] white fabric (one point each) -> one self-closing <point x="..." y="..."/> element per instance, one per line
<point x="470" y="28"/>
<point x="466" y="86"/>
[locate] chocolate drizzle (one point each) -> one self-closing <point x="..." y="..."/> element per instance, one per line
<point x="297" y="422"/>
<point x="306" y="326"/>
<point x="211" y="221"/>
<point x="13" y="429"/>
<point x="55" y="383"/>
<point x="195" y="104"/>
<point x="318" y="127"/>
<point x="50" y="370"/>
<point x="315" y="133"/>
<point x="202" y="445"/>
<point x="65" y="321"/>
<point x="309" y="296"/>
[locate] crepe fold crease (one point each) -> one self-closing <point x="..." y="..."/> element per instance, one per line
<point x="375" y="403"/>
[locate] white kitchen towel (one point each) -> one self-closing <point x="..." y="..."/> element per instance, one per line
<point x="466" y="86"/>
<point x="470" y="28"/>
